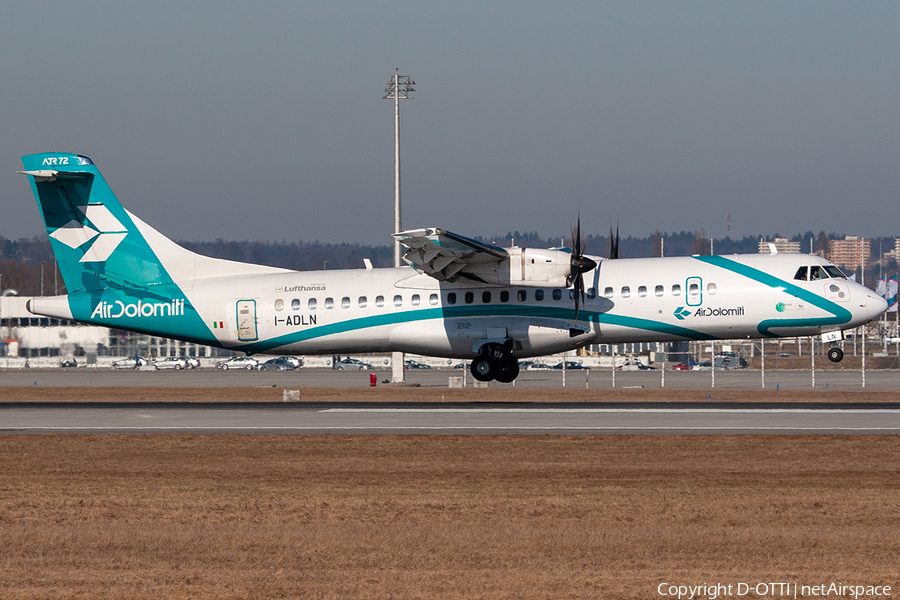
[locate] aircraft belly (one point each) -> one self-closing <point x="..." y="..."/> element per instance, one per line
<point x="431" y="337"/>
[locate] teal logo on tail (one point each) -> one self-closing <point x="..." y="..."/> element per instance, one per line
<point x="104" y="237"/>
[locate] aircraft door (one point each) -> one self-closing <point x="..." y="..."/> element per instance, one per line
<point x="693" y="291"/>
<point x="246" y="320"/>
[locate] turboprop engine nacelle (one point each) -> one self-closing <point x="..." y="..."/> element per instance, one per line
<point x="533" y="267"/>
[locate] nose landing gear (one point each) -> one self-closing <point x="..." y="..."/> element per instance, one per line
<point x="835" y="354"/>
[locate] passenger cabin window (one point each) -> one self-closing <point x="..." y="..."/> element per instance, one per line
<point x="694" y="289"/>
<point x="591" y="293"/>
<point x="486" y="297"/>
<point x="660" y="290"/>
<point x="398" y="300"/>
<point x="415" y="300"/>
<point x="626" y="291"/>
<point x="311" y="304"/>
<point x="608" y="292"/>
<point x="676" y="290"/>
<point x="295" y="304"/>
<point x="329" y="302"/>
<point x="451" y="298"/>
<point x="469" y="297"/>
<point x="433" y="299"/>
<point x="711" y="289"/>
<point x="539" y="295"/>
<point x="557" y="294"/>
<point x="345" y="302"/>
<point x="504" y="296"/>
<point x="642" y="291"/>
<point x="279" y="305"/>
<point x="521" y="295"/>
<point x="363" y="302"/>
<point x="379" y="301"/>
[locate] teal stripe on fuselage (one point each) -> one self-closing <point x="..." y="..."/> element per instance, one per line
<point x="476" y="311"/>
<point x="841" y="314"/>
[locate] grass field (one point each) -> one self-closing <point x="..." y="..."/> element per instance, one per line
<point x="229" y="516"/>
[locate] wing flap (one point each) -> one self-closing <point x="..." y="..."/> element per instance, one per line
<point x="444" y="255"/>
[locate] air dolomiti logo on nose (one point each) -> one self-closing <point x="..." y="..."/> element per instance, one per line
<point x="681" y="313"/>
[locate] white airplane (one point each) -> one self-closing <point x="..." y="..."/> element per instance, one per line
<point x="459" y="298"/>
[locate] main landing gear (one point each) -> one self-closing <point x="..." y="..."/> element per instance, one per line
<point x="835" y="354"/>
<point x="495" y="362"/>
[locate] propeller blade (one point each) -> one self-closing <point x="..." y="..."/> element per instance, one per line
<point x="580" y="264"/>
<point x="613" y="242"/>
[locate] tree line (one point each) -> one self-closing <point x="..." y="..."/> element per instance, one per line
<point x="28" y="265"/>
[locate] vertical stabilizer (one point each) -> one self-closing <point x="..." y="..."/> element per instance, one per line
<point x="95" y="240"/>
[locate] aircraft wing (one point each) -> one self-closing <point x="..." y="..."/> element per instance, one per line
<point x="443" y="254"/>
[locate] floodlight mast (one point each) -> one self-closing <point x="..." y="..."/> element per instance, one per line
<point x="398" y="88"/>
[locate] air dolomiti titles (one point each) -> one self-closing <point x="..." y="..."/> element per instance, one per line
<point x="117" y="309"/>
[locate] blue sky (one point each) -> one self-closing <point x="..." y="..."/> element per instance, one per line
<point x="264" y="120"/>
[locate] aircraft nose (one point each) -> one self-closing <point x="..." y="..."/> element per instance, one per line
<point x="875" y="305"/>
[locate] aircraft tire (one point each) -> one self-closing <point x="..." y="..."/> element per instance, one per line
<point x="507" y="370"/>
<point x="483" y="368"/>
<point x="835" y="354"/>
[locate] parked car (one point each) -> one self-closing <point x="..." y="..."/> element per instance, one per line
<point x="411" y="364"/>
<point x="134" y="362"/>
<point x="535" y="366"/>
<point x="69" y="362"/>
<point x="192" y="363"/>
<point x="277" y="364"/>
<point x="352" y="364"/>
<point x="238" y="362"/>
<point x="682" y="367"/>
<point x="571" y="366"/>
<point x="635" y="366"/>
<point x="702" y="366"/>
<point x="294" y="360"/>
<point x="173" y="362"/>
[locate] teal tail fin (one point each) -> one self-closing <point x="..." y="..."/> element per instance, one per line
<point x="97" y="243"/>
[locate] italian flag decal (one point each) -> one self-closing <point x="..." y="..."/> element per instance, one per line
<point x="218" y="325"/>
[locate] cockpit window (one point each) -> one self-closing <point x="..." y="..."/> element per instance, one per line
<point x="817" y="272"/>
<point x="834" y="272"/>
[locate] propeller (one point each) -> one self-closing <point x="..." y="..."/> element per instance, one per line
<point x="580" y="264"/>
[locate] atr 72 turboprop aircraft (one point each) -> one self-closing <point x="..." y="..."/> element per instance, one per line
<point x="459" y="298"/>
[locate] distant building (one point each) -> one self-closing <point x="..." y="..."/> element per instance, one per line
<point x="895" y="252"/>
<point x="850" y="253"/>
<point x="781" y="244"/>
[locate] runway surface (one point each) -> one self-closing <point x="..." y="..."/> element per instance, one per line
<point x="448" y="418"/>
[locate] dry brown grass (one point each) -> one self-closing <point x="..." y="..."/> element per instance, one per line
<point x="230" y="516"/>
<point x="387" y="393"/>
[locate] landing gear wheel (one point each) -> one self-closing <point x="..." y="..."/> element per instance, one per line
<point x="484" y="368"/>
<point x="835" y="354"/>
<point x="507" y="370"/>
